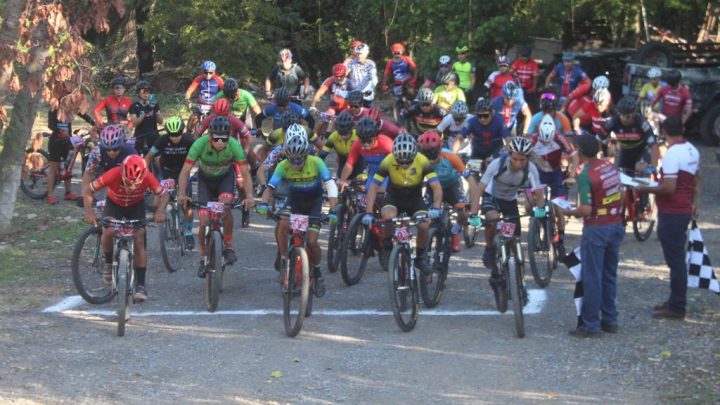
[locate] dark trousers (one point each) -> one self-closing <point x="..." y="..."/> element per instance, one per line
<point x="672" y="232"/>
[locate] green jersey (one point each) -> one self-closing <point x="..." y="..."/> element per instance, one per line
<point x="242" y="103"/>
<point x="464" y="71"/>
<point x="214" y="163"/>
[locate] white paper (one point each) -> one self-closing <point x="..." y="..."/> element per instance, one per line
<point x="562" y="203"/>
<point x="634" y="181"/>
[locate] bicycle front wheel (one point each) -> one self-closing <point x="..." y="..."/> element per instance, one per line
<point x="171" y="243"/>
<point x="123" y="290"/>
<point x="33" y="178"/>
<point x="501" y="290"/>
<point x="516" y="291"/>
<point x="470" y="234"/>
<point x="541" y="252"/>
<point x="87" y="268"/>
<point x="296" y="290"/>
<point x="644" y="220"/>
<point x="432" y="287"/>
<point x="335" y="239"/>
<point x="356" y="251"/>
<point x="403" y="287"/>
<point x="213" y="273"/>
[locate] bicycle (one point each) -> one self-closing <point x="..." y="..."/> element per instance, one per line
<point x="33" y="178"/>
<point x="474" y="167"/>
<point x="199" y="112"/>
<point x="87" y="265"/>
<point x="172" y="240"/>
<point x="642" y="214"/>
<point x="439" y="249"/>
<point x="403" y="101"/>
<point x="542" y="245"/>
<point x="345" y="209"/>
<point x="401" y="273"/>
<point x="359" y="244"/>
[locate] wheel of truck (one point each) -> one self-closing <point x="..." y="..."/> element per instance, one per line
<point x="654" y="54"/>
<point x="710" y="125"/>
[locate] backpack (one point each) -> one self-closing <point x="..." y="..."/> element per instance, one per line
<point x="503" y="168"/>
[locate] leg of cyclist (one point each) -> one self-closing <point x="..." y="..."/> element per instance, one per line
<point x="228" y="252"/>
<point x="388" y="212"/>
<point x="52" y="171"/>
<point x="281" y="235"/>
<point x="140" y="263"/>
<point x="489" y="210"/>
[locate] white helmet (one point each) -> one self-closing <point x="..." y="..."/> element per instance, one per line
<point x="654" y="73"/>
<point x="601" y="95"/>
<point x="444" y="60"/>
<point x="296" y="143"/>
<point x="600" y="82"/>
<point x="362" y="50"/>
<point x="404" y="148"/>
<point x="546" y="129"/>
<point x="521" y="145"/>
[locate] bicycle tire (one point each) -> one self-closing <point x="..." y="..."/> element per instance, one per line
<point x="123" y="290"/>
<point x="308" y="309"/>
<point x="171" y="243"/>
<point x="87" y="269"/>
<point x="470" y="234"/>
<point x="642" y="233"/>
<point x="515" y="286"/>
<point x="501" y="297"/>
<point x="401" y="284"/>
<point x="214" y="246"/>
<point x="540" y="251"/>
<point x="365" y="250"/>
<point x="335" y="239"/>
<point x="437" y="249"/>
<point x="34" y="182"/>
<point x="299" y="267"/>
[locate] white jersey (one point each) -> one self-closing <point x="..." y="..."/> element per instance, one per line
<point x="509" y="183"/>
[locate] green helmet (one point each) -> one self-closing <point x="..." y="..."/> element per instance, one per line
<point x="462" y="49"/>
<point x="174" y="125"/>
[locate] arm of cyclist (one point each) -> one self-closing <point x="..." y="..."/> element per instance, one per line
<point x="527" y="117"/>
<point x="96" y="112"/>
<point x="183" y="180"/>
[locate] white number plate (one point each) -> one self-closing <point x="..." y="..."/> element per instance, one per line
<point x="100" y="204"/>
<point x="299" y="222"/>
<point x="168" y="184"/>
<point x="205" y="108"/>
<point x="402" y="234"/>
<point x="507" y="229"/>
<point x="474" y="165"/>
<point x="76" y="141"/>
<point x="216" y="207"/>
<point x="362" y="199"/>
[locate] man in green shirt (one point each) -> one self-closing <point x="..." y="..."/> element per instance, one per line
<point x="240" y="100"/>
<point x="465" y="71"/>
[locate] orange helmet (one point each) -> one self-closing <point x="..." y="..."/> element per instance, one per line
<point x="397" y="48"/>
<point x="133" y="170"/>
<point x="222" y="106"/>
<point x="339" y="70"/>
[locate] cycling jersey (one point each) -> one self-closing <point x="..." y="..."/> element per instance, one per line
<point x="116" y="109"/>
<point x="578" y="104"/>
<point x="274" y="111"/>
<point x="341" y="146"/>
<point x="445" y="98"/>
<point x="449" y="128"/>
<point x="636" y="135"/>
<point x="599" y="186"/>
<point x="100" y="162"/>
<point x="648" y="92"/>
<point x="401" y="69"/>
<point x="277" y="137"/>
<point x="306" y="180"/>
<point x="125" y="196"/>
<point x="425" y="121"/>
<point x="597" y="118"/>
<point x="508" y="113"/>
<point x="552" y="151"/>
<point x="405" y="183"/>
<point x="149" y="123"/>
<point x="682" y="162"/>
<point x="363" y="77"/>
<point x="568" y="80"/>
<point x="241" y="104"/>
<point x="487" y="140"/>
<point x="334" y="87"/>
<point x="207" y="88"/>
<point x="464" y="71"/>
<point x="291" y="79"/>
<point x="61" y="128"/>
<point x="373" y="157"/>
<point x="172" y="156"/>
<point x="675" y="101"/>
<point x="214" y="163"/>
<point x="507" y="185"/>
<point x="562" y="123"/>
<point x="526" y="72"/>
<point x="448" y="169"/>
<point x="237" y="128"/>
<point x="497" y="80"/>
<point x="387" y="128"/>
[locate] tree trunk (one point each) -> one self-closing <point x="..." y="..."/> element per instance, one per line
<point x="9" y="35"/>
<point x="144" y="47"/>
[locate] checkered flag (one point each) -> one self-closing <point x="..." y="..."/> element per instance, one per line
<point x="572" y="261"/>
<point x="700" y="272"/>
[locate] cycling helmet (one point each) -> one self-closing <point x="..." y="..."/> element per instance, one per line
<point x="547" y="102"/>
<point x="362" y="50"/>
<point x="448" y="77"/>
<point x="524" y="51"/>
<point x="142" y="84"/>
<point x="134" y="169"/>
<point x="510" y="90"/>
<point x="221" y="106"/>
<point x="521" y="145"/>
<point x="654" y="73"/>
<point x="375" y="115"/>
<point x="503" y="60"/>
<point x="118" y="81"/>
<point x="397" y="48"/>
<point x="404" y="148"/>
<point x="208" y="66"/>
<point x="220" y="125"/>
<point x="282" y="96"/>
<point x="288" y="118"/>
<point x="339" y="70"/>
<point x="296" y="143"/>
<point x="429" y="140"/>
<point x="366" y="129"/>
<point x="483" y="105"/>
<point x="567" y="55"/>
<point x="425" y="96"/>
<point x="444" y="60"/>
<point x="546" y="130"/>
<point x="230" y="87"/>
<point x="174" y="125"/>
<point x="600" y="82"/>
<point x="459" y="110"/>
<point x="111" y="136"/>
<point x="462" y="49"/>
<point x="355" y="97"/>
<point x="284" y="55"/>
<point x="626" y="106"/>
<point x="344" y="123"/>
<point x="354" y="44"/>
<point x="673" y="77"/>
<point x="601" y="96"/>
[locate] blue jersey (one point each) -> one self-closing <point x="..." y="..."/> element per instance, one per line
<point x="307" y="180"/>
<point x="567" y="81"/>
<point x="272" y="110"/>
<point x="487" y="140"/>
<point x="508" y="113"/>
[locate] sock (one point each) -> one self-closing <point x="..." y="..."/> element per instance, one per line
<point x="108" y="257"/>
<point x="140" y="275"/>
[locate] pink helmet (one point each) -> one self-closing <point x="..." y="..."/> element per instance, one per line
<point x="429" y="140"/>
<point x="111" y="136"/>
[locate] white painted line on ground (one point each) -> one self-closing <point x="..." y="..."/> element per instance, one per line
<point x="65" y="307"/>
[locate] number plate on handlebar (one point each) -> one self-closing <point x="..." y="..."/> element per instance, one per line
<point x="506" y="229"/>
<point x="205" y="108"/>
<point x="398" y="90"/>
<point x="100" y="204"/>
<point x="362" y="199"/>
<point x="168" y="184"/>
<point x="474" y="165"/>
<point x="402" y="234"/>
<point x="216" y="207"/>
<point x="124" y="230"/>
<point x="299" y="222"/>
<point x="77" y="142"/>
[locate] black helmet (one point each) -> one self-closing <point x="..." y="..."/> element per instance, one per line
<point x="673" y="77"/>
<point x="230" y="87"/>
<point x="220" y="125"/>
<point x="142" y="84"/>
<point x="118" y="80"/>
<point x="344" y="122"/>
<point x="282" y="96"/>
<point x="367" y="129"/>
<point x="448" y="77"/>
<point x="626" y="106"/>
<point x="287" y="118"/>
<point x="483" y="105"/>
<point x="355" y="97"/>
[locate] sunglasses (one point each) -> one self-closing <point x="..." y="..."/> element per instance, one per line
<point x="222" y="139"/>
<point x="119" y="86"/>
<point x="445" y="66"/>
<point x="483" y="116"/>
<point x="143" y="91"/>
<point x="175" y="135"/>
<point x="114" y="149"/>
<point x="397" y="53"/>
<point x="282" y="105"/>
<point x="368" y="142"/>
<point x="425" y="104"/>
<point x="297" y="162"/>
<point x="355" y="106"/>
<point x="209" y="73"/>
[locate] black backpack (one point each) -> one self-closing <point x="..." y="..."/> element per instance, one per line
<point x="503" y="168"/>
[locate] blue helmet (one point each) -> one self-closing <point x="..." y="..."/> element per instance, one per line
<point x="208" y="66"/>
<point x="510" y="90"/>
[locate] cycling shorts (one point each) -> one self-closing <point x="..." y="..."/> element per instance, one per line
<point x="451" y="195"/>
<point x="554" y="180"/>
<point x="507" y="208"/>
<point x="300" y="203"/>
<point x="628" y="158"/>
<point x="210" y="188"/>
<point x="113" y="210"/>
<point x="58" y="148"/>
<point x="408" y="206"/>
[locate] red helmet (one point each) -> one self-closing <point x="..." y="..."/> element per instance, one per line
<point x="221" y="106"/>
<point x="339" y="70"/>
<point x="397" y="47"/>
<point x="133" y="169"/>
<point x="429" y="140"/>
<point x="354" y="44"/>
<point x="374" y="114"/>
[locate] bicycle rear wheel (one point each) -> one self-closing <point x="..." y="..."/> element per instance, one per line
<point x="171" y="241"/>
<point x="403" y="286"/>
<point x="515" y="287"/>
<point x="432" y="289"/>
<point x="335" y="239"/>
<point x="356" y="251"/>
<point x="33" y="180"/>
<point x="541" y="252"/>
<point x="644" y="222"/>
<point x="213" y="273"/>
<point x="87" y="267"/>
<point x="296" y="290"/>
<point x="123" y="290"/>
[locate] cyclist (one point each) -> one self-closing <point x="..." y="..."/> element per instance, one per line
<point x="548" y="106"/>
<point x="221" y="108"/>
<point x="495" y="83"/>
<point x="405" y="170"/>
<point x="598" y="111"/>
<point x="424" y="114"/>
<point x="444" y="66"/>
<point x="280" y="105"/>
<point x="447" y="94"/>
<point x="109" y="152"/>
<point x="277" y="137"/>
<point x="371" y="146"/>
<point x="208" y="85"/>
<point x="116" y="105"/>
<point x="145" y="117"/>
<point x="172" y="150"/>
<point x="306" y="176"/>
<point x="339" y="86"/>
<point x="650" y="89"/>
<point x="465" y="71"/>
<point x="509" y="105"/>
<point x="58" y="147"/>
<point x="126" y="186"/>
<point x="451" y="126"/>
<point x="567" y="76"/>
<point x="355" y="106"/>
<point x="499" y="186"/>
<point x="342" y="140"/>
<point x="241" y="101"/>
<point x="404" y="72"/>
<point x="448" y="167"/>
<point x="351" y="56"/>
<point x="582" y="97"/>
<point x="363" y="74"/>
<point x="676" y="98"/>
<point x="216" y="155"/>
<point x="550" y="145"/>
<point x="289" y="75"/>
<point x="528" y="73"/>
<point x="636" y="138"/>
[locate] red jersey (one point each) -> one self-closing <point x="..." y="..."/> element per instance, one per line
<point x="598" y="119"/>
<point x="674" y="100"/>
<point x="496" y="81"/>
<point x="552" y="152"/>
<point x="681" y="161"/>
<point x="119" y="194"/>
<point x="577" y="105"/>
<point x="526" y="73"/>
<point x="373" y="157"/>
<point x="599" y="187"/>
<point x="116" y="110"/>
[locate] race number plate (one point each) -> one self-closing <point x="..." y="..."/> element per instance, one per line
<point x="506" y="229"/>
<point x="216" y="206"/>
<point x="398" y="90"/>
<point x="325" y="117"/>
<point x="299" y="222"/>
<point x="205" y="108"/>
<point x="125" y="230"/>
<point x="402" y="234"/>
<point x="362" y="199"/>
<point x="100" y="204"/>
<point x="168" y="184"/>
<point x="77" y="142"/>
<point x="474" y="165"/>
